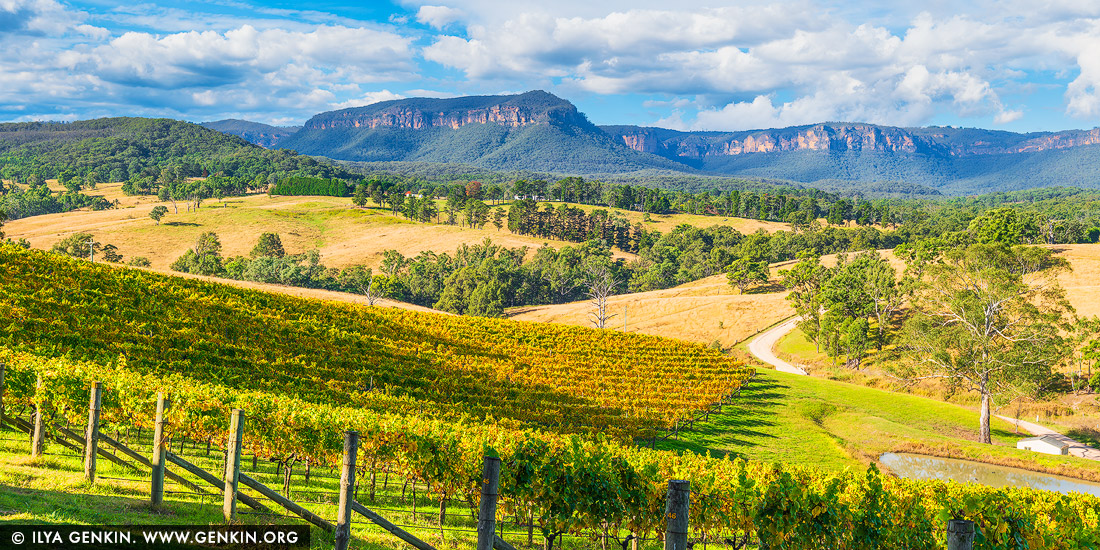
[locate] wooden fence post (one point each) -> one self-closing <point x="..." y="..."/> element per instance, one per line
<point x="677" y="512"/>
<point x="91" y="435"/>
<point x="487" y="512"/>
<point x="38" y="440"/>
<point x="233" y="465"/>
<point x="960" y="534"/>
<point x="347" y="486"/>
<point x="156" y="493"/>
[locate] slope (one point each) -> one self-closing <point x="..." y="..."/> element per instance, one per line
<point x="260" y="134"/>
<point x="344" y="234"/>
<point x="704" y="311"/>
<point x="117" y="149"/>
<point x="530" y="131"/>
<point x="377" y="359"/>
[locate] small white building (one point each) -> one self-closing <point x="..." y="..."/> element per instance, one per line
<point x="1047" y="444"/>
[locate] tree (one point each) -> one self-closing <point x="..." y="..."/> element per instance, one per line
<point x="498" y="218"/>
<point x="158" y="212"/>
<point x="476" y="213"/>
<point x="270" y="245"/>
<point x="426" y="210"/>
<point x="110" y="254"/>
<point x="1004" y="225"/>
<point x="361" y="196"/>
<point x="204" y="259"/>
<point x="473" y="190"/>
<point x="169" y="194"/>
<point x="745" y="271"/>
<point x="987" y="318"/>
<point x="77" y="245"/>
<point x="601" y="283"/>
<point x="855" y="340"/>
<point x="806" y="281"/>
<point x="881" y="288"/>
<point x="392" y="263"/>
<point x="363" y="281"/>
<point x="3" y="220"/>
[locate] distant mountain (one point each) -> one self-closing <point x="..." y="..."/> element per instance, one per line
<point x="263" y="135"/>
<point x="531" y="131"/>
<point x="537" y="132"/>
<point x="841" y="136"/>
<point x="117" y="149"/>
<point x="956" y="160"/>
<point x="542" y="132"/>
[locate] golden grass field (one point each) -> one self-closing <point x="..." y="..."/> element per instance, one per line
<point x="344" y="234"/>
<point x="310" y="293"/>
<point x="1082" y="284"/>
<point x="702" y="311"/>
<point x="667" y="222"/>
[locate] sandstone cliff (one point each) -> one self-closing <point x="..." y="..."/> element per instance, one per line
<point x="846" y="137"/>
<point x="512" y="111"/>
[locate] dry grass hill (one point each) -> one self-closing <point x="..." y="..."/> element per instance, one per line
<point x="344" y="234"/>
<point x="703" y="311"/>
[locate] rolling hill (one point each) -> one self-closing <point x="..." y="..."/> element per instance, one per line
<point x="117" y="149"/>
<point x="345" y="235"/>
<point x="539" y="131"/>
<point x="955" y="161"/>
<point x="531" y="131"/>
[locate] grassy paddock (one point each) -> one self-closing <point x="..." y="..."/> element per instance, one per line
<point x="1072" y="413"/>
<point x="833" y="425"/>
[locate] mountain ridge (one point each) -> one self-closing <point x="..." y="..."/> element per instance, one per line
<point x="834" y="136"/>
<point x="539" y="131"/>
<point x="534" y="107"/>
<point x="531" y="131"/>
<point x="258" y="133"/>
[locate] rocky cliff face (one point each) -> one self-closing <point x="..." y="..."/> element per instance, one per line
<point x="422" y="113"/>
<point x="260" y="134"/>
<point x="416" y="119"/>
<point x="845" y="137"/>
<point x="1059" y="140"/>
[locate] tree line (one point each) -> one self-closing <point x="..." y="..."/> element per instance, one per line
<point x="138" y="150"/>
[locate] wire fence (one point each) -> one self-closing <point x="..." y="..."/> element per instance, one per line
<point x="407" y="503"/>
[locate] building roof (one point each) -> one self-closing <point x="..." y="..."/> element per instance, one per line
<point x="1049" y="440"/>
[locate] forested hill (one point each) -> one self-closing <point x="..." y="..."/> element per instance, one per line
<point x="263" y="135"/>
<point x="530" y="131"/>
<point x="120" y="149"/>
<point x="953" y="160"/>
<point x="539" y="131"/>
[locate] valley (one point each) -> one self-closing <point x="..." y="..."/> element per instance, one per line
<point x="600" y="333"/>
<point x="491" y="275"/>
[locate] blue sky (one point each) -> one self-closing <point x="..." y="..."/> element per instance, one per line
<point x="1019" y="65"/>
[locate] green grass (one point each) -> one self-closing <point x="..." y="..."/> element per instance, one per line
<point x="803" y="420"/>
<point x="50" y="490"/>
<point x="796" y="345"/>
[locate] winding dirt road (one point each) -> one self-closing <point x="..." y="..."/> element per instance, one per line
<point x="761" y="347"/>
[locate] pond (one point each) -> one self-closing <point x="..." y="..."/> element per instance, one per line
<point x="965" y="471"/>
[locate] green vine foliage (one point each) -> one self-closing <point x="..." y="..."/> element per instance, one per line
<point x="571" y="481"/>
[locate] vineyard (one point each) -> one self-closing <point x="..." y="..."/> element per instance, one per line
<point x="431" y="395"/>
<point x="535" y="375"/>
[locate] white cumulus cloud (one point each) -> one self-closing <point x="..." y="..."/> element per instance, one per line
<point x="368" y="98"/>
<point x="438" y="16"/>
